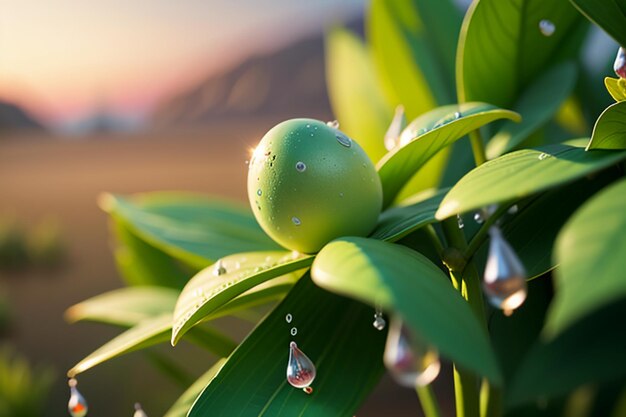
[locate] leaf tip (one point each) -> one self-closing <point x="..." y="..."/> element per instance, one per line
<point x="446" y="210"/>
<point x="106" y="202"/>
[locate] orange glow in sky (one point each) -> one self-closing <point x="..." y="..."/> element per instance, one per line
<point x="65" y="58"/>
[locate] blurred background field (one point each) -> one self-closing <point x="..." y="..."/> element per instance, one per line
<point x="128" y="98"/>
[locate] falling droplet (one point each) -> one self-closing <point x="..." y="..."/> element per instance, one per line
<point x="300" y="369"/>
<point x="219" y="269"/>
<point x="409" y="360"/>
<point x="392" y="136"/>
<point x="294" y="331"/>
<point x="296" y="221"/>
<point x="334" y="124"/>
<point x="457" y="115"/>
<point x="77" y="405"/>
<point x="288" y="318"/>
<point x="505" y="278"/>
<point x="546" y="27"/>
<point x="259" y="192"/>
<point x="343" y="140"/>
<point x="459" y="220"/>
<point x="619" y="66"/>
<point x="300" y="166"/>
<point x="139" y="411"/>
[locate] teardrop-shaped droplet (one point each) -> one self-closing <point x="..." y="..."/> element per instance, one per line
<point x="77" y="405"/>
<point x="392" y="136"/>
<point x="546" y="27"/>
<point x="505" y="278"/>
<point x="410" y="361"/>
<point x="620" y="63"/>
<point x="139" y="411"/>
<point x="300" y="369"/>
<point x="379" y="322"/>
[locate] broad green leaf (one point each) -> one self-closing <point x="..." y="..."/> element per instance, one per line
<point x="125" y="306"/>
<point x="397" y="222"/>
<point x="610" y="15"/>
<point x="616" y="87"/>
<point x="610" y="129"/>
<point x="354" y="94"/>
<point x="537" y="104"/>
<point x="502" y="50"/>
<point x="427" y="135"/>
<point x="399" y="278"/>
<point x="169" y="368"/>
<point x="591" y="251"/>
<point x="149" y="333"/>
<point x="413" y="45"/>
<point x="194" y="229"/>
<point x="589" y="352"/>
<point x="522" y="173"/>
<point x="210" y="289"/>
<point x="140" y="263"/>
<point x="336" y="333"/>
<point x="186" y="400"/>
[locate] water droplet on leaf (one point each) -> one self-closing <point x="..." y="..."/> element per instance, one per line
<point x="219" y="269"/>
<point x="334" y="124"/>
<point x="300" y="369"/>
<point x="288" y="318"/>
<point x="294" y="331"/>
<point x="546" y="27"/>
<point x="459" y="220"/>
<point x="457" y="115"/>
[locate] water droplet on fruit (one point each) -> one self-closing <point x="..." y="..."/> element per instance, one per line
<point x="300" y="166"/>
<point x="505" y="278"/>
<point x="296" y="221"/>
<point x="410" y="361"/>
<point x="300" y="369"/>
<point x="259" y="192"/>
<point x="546" y="27"/>
<point x="619" y="66"/>
<point x="343" y="140"/>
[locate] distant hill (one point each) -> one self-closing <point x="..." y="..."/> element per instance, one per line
<point x="13" y="117"/>
<point x="287" y="83"/>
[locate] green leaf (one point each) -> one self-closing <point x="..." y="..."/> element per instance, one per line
<point x="522" y="173"/>
<point x="616" y="88"/>
<point x="413" y="45"/>
<point x="354" y="94"/>
<point x="186" y="400"/>
<point x="427" y="135"/>
<point x="149" y="333"/>
<point x="609" y="131"/>
<point x="194" y="229"/>
<point x="209" y="290"/>
<point x="591" y="251"/>
<point x="537" y="104"/>
<point x="399" y="278"/>
<point x="610" y="15"/>
<point x="397" y="222"/>
<point x="337" y="335"/>
<point x="124" y="307"/>
<point x="589" y="352"/>
<point x="501" y="49"/>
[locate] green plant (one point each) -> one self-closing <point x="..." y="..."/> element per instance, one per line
<point x="553" y="204"/>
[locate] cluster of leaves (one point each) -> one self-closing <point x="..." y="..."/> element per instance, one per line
<point x="570" y="194"/>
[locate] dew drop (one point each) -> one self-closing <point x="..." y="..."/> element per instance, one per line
<point x="379" y="322"/>
<point x="308" y="390"/>
<point x="478" y="217"/>
<point x="343" y="140"/>
<point x="300" y="369"/>
<point x="219" y="269"/>
<point x="543" y="156"/>
<point x="296" y="221"/>
<point x="505" y="278"/>
<point x="410" y="361"/>
<point x="308" y="125"/>
<point x="288" y="318"/>
<point x="546" y="27"/>
<point x="457" y="115"/>
<point x="513" y="209"/>
<point x="459" y="221"/>
<point x="619" y="66"/>
<point x="139" y="411"/>
<point x="294" y="331"/>
<point x="334" y="124"/>
<point x="259" y="192"/>
<point x="77" y="405"/>
<point x="300" y="166"/>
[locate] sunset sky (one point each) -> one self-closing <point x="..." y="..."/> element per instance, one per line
<point x="63" y="58"/>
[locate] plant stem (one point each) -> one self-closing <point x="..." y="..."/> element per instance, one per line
<point x="434" y="238"/>
<point x="478" y="148"/>
<point x="428" y="401"/>
<point x="481" y="235"/>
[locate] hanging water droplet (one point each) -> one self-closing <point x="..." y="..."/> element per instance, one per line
<point x="139" y="411"/>
<point x="259" y="192"/>
<point x="296" y="221"/>
<point x="619" y="66"/>
<point x="77" y="405"/>
<point x="379" y="322"/>
<point x="459" y="221"/>
<point x="218" y="268"/>
<point x="505" y="278"/>
<point x="300" y="166"/>
<point x="300" y="369"/>
<point x="410" y="361"/>
<point x="546" y="27"/>
<point x="288" y="318"/>
<point x="513" y="209"/>
<point x="294" y="331"/>
<point x="478" y="217"/>
<point x="457" y="115"/>
<point x="343" y="140"/>
<point x="392" y="136"/>
<point x="334" y="124"/>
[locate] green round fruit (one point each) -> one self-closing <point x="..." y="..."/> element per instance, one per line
<point x="309" y="183"/>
